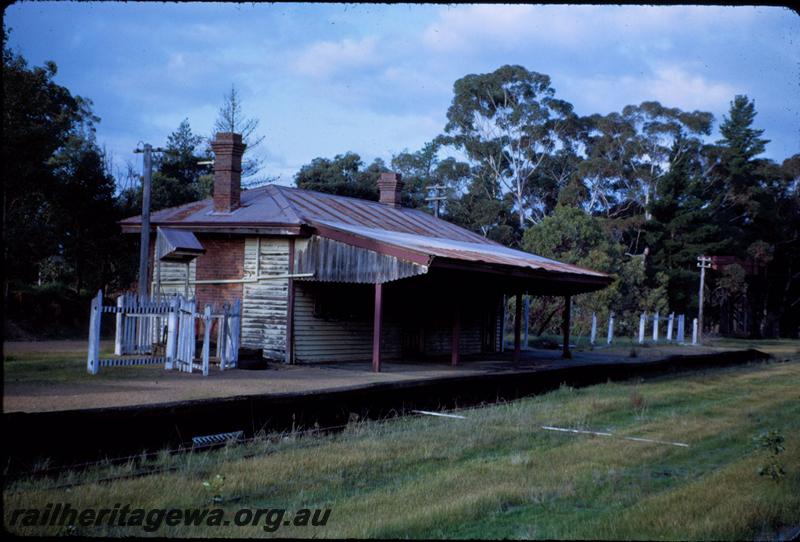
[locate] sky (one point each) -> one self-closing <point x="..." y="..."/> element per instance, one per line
<point x="378" y="79"/>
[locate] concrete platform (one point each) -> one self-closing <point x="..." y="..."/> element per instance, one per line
<point x="124" y="387"/>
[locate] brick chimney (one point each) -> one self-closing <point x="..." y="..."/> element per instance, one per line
<point x="228" y="149"/>
<point x="391" y="185"/>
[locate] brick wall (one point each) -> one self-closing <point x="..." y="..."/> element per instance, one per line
<point x="224" y="259"/>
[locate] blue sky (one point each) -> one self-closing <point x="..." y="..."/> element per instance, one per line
<point x="377" y="79"/>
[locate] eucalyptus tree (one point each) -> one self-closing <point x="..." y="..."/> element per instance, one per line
<point x="508" y="122"/>
<point x="627" y="153"/>
<point x="663" y="134"/>
<point x="425" y="173"/>
<point x="343" y="175"/>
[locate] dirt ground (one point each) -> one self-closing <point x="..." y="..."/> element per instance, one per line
<point x="155" y="385"/>
<point x="127" y="386"/>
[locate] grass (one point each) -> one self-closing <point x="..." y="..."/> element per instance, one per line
<point x="497" y="474"/>
<point x="61" y="367"/>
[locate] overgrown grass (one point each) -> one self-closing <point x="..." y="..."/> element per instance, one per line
<point x="61" y="367"/>
<point x="497" y="474"/>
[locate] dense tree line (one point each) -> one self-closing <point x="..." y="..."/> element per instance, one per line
<point x="638" y="194"/>
<point x="63" y="197"/>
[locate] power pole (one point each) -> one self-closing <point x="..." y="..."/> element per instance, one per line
<point x="703" y="262"/>
<point x="437" y="188"/>
<point x="144" y="247"/>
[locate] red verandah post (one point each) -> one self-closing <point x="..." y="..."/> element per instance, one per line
<point x="566" y="354"/>
<point x="517" y="326"/>
<point x="376" y="331"/>
<point x="456" y="352"/>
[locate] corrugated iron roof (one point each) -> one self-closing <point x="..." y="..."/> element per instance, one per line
<point x="489" y="253"/>
<point x="408" y="230"/>
<point x="286" y="206"/>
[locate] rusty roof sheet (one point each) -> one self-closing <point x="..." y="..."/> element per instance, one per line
<point x="403" y="228"/>
<point x="286" y="206"/>
<point x="490" y="253"/>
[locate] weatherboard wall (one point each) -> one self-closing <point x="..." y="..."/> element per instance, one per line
<point x="264" y="303"/>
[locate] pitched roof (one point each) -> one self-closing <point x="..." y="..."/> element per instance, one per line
<point x="413" y="234"/>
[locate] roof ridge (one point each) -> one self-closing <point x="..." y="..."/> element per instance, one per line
<point x="382" y="206"/>
<point x="284" y="203"/>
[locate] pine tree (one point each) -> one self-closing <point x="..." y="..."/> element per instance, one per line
<point x="680" y="229"/>
<point x="231" y="118"/>
<point x="736" y="181"/>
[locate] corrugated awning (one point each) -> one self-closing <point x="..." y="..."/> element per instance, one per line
<point x="177" y="245"/>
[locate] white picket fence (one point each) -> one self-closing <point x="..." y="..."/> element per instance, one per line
<point x="673" y="322"/>
<point x="162" y="330"/>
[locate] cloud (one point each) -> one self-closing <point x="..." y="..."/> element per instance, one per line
<point x="323" y="58"/>
<point x="673" y="86"/>
<point x="481" y="26"/>
<point x="459" y="28"/>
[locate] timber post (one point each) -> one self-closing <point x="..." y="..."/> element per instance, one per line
<point x="566" y="354"/>
<point x="236" y="331"/>
<point x="593" y="335"/>
<point x="376" y="328"/>
<point x="223" y="347"/>
<point x="172" y="330"/>
<point x="517" y="326"/>
<point x="456" y="351"/>
<point x="527" y="319"/>
<point x="289" y="350"/>
<point x="703" y="262"/>
<point x="206" y="338"/>
<point x="504" y="309"/>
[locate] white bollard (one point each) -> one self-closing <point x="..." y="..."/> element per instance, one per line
<point x="594" y="329"/>
<point x="669" y="326"/>
<point x="610" y="327"/>
<point x="681" y="328"/>
<point x="655" y="328"/>
<point x="642" y="319"/>
<point x="95" y="314"/>
<point x="694" y="332"/>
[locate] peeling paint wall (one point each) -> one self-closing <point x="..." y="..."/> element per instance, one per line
<point x="264" y="302"/>
<point x="175" y="272"/>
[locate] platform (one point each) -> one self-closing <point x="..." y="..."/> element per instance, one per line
<point x="151" y="385"/>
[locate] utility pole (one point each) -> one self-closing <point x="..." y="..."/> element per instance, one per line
<point x="437" y="188"/>
<point x="144" y="248"/>
<point x="703" y="262"/>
